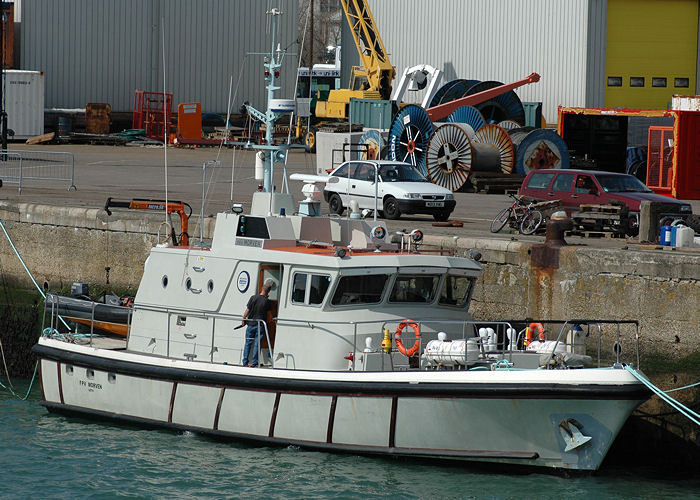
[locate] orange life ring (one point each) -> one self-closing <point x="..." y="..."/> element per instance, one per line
<point x="397" y="336"/>
<point x="530" y="332"/>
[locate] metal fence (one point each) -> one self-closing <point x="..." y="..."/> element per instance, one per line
<point x="18" y="167"/>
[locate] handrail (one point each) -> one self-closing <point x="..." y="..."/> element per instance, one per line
<point x="467" y="329"/>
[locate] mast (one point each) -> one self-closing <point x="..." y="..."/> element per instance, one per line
<point x="267" y="201"/>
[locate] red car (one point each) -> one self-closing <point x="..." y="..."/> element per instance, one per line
<point x="579" y="187"/>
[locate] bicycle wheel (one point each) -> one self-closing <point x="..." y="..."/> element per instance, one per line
<point x="531" y="222"/>
<point x="500" y="221"/>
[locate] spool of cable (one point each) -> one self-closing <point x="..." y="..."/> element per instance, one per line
<point x="409" y="136"/>
<point x="494" y="150"/>
<point x="439" y="97"/>
<point x="509" y="124"/>
<point x="539" y="148"/>
<point x="506" y="106"/>
<point x="374" y="141"/>
<point x="449" y="156"/>
<point x="469" y="115"/>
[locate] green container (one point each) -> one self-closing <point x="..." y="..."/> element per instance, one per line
<point x="533" y="114"/>
<point x="372" y="113"/>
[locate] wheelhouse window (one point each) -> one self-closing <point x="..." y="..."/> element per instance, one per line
<point x="416" y="289"/>
<point x="309" y="289"/>
<point x="456" y="291"/>
<point x="360" y="289"/>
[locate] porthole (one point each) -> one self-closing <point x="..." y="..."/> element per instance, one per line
<point x="112" y="378"/>
<point x="164" y="281"/>
<point x="188" y="284"/>
<point x="90" y="373"/>
<point x="69" y="369"/>
<point x="210" y="286"/>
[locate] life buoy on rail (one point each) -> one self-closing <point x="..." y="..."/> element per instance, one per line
<point x="530" y="332"/>
<point x="397" y="336"/>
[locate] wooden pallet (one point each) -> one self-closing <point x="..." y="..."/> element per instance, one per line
<point x="603" y="218"/>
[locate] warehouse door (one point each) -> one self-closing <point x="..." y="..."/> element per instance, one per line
<point x="651" y="52"/>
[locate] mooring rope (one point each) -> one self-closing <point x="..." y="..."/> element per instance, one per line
<point x="684" y="387"/>
<point x="31" y="384"/>
<point x="690" y="414"/>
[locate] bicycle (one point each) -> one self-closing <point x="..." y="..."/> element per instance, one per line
<point x="519" y="215"/>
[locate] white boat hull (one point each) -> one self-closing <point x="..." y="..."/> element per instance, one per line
<point x="503" y="416"/>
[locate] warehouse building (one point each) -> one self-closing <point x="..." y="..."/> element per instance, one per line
<point x="589" y="53"/>
<point x="102" y="51"/>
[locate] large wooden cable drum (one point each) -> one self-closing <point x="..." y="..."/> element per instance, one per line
<point x="452" y="88"/>
<point x="450" y="155"/>
<point x="494" y="150"/>
<point x="374" y="142"/>
<point x="409" y="135"/>
<point x="506" y="106"/>
<point x="538" y="148"/>
<point x="469" y="115"/>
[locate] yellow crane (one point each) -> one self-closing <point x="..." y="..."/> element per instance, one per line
<point x="375" y="74"/>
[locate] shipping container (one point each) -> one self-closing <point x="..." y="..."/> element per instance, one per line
<point x="24" y="102"/>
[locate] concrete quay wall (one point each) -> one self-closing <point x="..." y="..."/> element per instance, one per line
<point x="660" y="289"/>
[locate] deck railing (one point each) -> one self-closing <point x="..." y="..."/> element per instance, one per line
<point x="497" y="342"/>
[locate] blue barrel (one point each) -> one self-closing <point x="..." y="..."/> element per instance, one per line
<point x="665" y="235"/>
<point x="64" y="126"/>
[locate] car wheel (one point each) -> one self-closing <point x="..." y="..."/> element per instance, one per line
<point x="441" y="216"/>
<point x="693" y="221"/>
<point x="391" y="208"/>
<point x="335" y="204"/>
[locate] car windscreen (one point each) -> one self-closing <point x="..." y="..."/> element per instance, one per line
<point x="400" y="173"/>
<point x="622" y="184"/>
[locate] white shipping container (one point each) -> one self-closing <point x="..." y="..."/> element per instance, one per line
<point x="24" y="102"/>
<point x="685" y="103"/>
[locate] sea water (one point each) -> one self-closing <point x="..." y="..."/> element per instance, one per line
<point x="44" y="455"/>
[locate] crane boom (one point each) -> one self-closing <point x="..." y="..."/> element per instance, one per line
<point x="375" y="61"/>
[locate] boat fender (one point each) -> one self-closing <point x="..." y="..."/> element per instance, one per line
<point x="530" y="332"/>
<point x="397" y="336"/>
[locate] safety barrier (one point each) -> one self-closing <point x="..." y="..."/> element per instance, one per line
<point x="18" y="167"/>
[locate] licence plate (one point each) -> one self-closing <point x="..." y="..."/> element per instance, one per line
<point x="434" y="203"/>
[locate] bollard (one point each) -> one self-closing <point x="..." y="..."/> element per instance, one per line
<point x="557" y="225"/>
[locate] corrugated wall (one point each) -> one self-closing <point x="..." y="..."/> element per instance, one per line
<point x="502" y="40"/>
<point x="103" y="50"/>
<point x="595" y="67"/>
